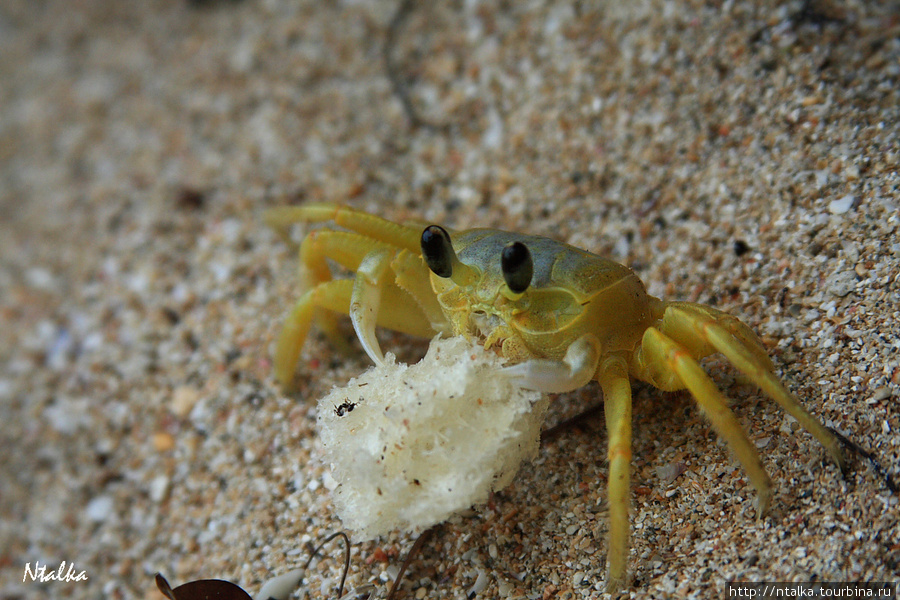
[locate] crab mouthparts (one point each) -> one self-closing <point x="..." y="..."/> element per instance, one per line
<point x="483" y="324"/>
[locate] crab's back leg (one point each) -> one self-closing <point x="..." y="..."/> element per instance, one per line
<point x="687" y="321"/>
<point x="678" y="328"/>
<point x="658" y="353"/>
<point x="613" y="377"/>
<point x="281" y="218"/>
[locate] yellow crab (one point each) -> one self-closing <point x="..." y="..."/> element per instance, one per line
<point x="561" y="316"/>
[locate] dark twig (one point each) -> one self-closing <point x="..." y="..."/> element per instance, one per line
<point x="416" y="547"/>
<point x="869" y="456"/>
<point x="399" y="84"/>
<point x="346" y="557"/>
<point x="556" y="430"/>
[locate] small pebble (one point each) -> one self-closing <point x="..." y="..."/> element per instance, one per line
<point x="841" y="205"/>
<point x="842" y="283"/>
<point x="163" y="441"/>
<point x="481" y="583"/>
<point x="159" y="487"/>
<point x="183" y="400"/>
<point x="99" y="508"/>
<point x="882" y="393"/>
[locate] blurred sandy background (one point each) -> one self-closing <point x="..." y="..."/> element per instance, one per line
<point x="743" y="155"/>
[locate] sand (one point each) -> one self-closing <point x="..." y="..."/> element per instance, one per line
<point x="734" y="154"/>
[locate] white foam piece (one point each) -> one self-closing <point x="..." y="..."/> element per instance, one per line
<point x="411" y="445"/>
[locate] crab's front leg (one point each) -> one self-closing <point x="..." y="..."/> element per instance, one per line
<point x="389" y="274"/>
<point x="616" y="385"/>
<point x="581" y="364"/>
<point x="371" y="299"/>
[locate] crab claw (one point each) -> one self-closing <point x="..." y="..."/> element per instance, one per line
<point x="575" y="370"/>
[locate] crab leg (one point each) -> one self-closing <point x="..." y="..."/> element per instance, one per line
<point x="282" y="217"/>
<point x="613" y="378"/>
<point x="333" y="295"/>
<point x="355" y="252"/>
<point x="575" y="370"/>
<point x="405" y="316"/>
<point x="759" y="372"/>
<point x="679" y="316"/>
<point x="345" y="248"/>
<point x="657" y="348"/>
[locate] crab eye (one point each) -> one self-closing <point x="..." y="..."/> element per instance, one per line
<point x="517" y="267"/>
<point x="437" y="250"/>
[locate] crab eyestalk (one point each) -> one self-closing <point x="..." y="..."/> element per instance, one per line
<point x="440" y="257"/>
